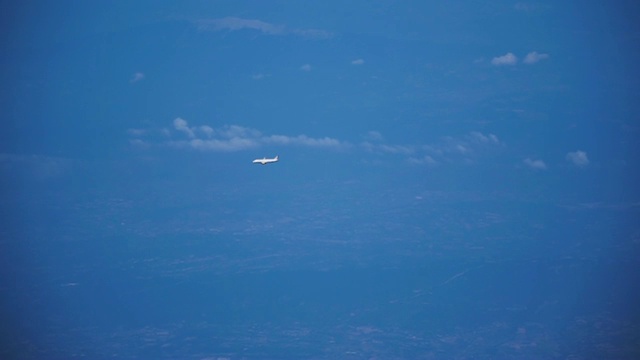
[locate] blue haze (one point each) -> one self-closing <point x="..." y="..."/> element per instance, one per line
<point x="457" y="180"/>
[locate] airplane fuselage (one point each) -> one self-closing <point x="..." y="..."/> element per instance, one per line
<point x="265" y="161"/>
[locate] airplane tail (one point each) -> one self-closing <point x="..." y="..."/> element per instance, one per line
<point x="276" y="157"/>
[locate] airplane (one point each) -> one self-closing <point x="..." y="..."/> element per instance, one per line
<point x="265" y="161"/>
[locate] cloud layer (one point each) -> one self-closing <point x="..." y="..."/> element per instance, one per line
<point x="232" y="138"/>
<point x="227" y="138"/>
<point x="446" y="150"/>
<point x="231" y="23"/>
<point x="466" y="149"/>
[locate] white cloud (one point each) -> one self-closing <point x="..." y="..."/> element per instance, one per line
<point x="303" y="140"/>
<point x="226" y="145"/>
<point x="533" y="57"/>
<point x="181" y="125"/>
<point x="234" y="23"/>
<point x="226" y="138"/>
<point x="208" y="130"/>
<point x="236" y="131"/>
<point x="305" y="67"/>
<point x="373" y="136"/>
<point x="468" y="144"/>
<point x="461" y="149"/>
<point x="425" y="160"/>
<point x="507" y="59"/>
<point x="535" y="164"/>
<point x="136" y="77"/>
<point x="231" y="23"/>
<point x="396" y="149"/>
<point x="380" y="148"/>
<point x="448" y="149"/>
<point x="357" y="62"/>
<point x="482" y="138"/>
<point x="320" y="142"/>
<point x="578" y="158"/>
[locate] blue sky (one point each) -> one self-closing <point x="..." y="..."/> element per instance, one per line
<point x="539" y="89"/>
<point x="543" y="82"/>
<point x="458" y="132"/>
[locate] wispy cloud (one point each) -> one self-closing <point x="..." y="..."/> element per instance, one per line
<point x="139" y="143"/>
<point x="373" y="136"/>
<point x="534" y="57"/>
<point x="260" y="76"/>
<point x="467" y="145"/>
<point x="40" y="166"/>
<point x="234" y="23"/>
<point x="482" y="138"/>
<point x="507" y="59"/>
<point x="231" y="138"/>
<point x="424" y="160"/>
<point x="396" y="149"/>
<point x="231" y="23"/>
<point x="305" y="67"/>
<point x="226" y="145"/>
<point x="357" y="62"/>
<point x="136" y="132"/>
<point x="578" y="158"/>
<point x="225" y="139"/>
<point x="447" y="149"/>
<point x="136" y="77"/>
<point x="535" y="164"/>
<point x="325" y="142"/>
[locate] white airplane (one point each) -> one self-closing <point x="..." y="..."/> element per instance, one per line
<point x="265" y="161"/>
